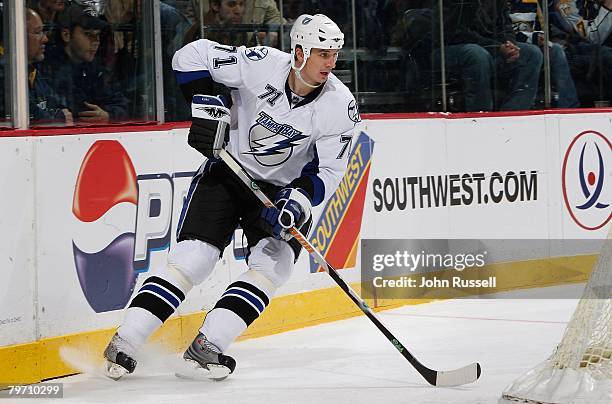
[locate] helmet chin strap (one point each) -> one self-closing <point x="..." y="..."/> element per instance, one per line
<point x="298" y="73"/>
<point x="299" y="76"/>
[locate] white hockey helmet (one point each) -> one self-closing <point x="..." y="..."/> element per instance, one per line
<point x="314" y="31"/>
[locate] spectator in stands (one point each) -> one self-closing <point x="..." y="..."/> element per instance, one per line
<point x="47" y="9"/>
<point x="218" y="22"/>
<point x="174" y="26"/>
<point x="588" y="25"/>
<point x="392" y="15"/>
<point x="222" y="14"/>
<point x="45" y="104"/>
<point x="76" y="73"/>
<point x="264" y="12"/>
<point x="188" y="8"/>
<point x="370" y="30"/>
<point x="593" y="22"/>
<point x="124" y="56"/>
<point x="294" y="8"/>
<point x="525" y="18"/>
<point x="480" y="44"/>
<point x="120" y="12"/>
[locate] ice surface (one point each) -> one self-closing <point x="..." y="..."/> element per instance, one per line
<point x="349" y="361"/>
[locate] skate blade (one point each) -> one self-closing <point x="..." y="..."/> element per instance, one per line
<point x="192" y="370"/>
<point x="114" y="371"/>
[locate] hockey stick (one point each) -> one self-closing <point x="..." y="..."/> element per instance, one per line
<point x="457" y="377"/>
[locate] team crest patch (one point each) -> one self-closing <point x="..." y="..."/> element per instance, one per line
<point x="256" y="53"/>
<point x="353" y="112"/>
<point x="272" y="142"/>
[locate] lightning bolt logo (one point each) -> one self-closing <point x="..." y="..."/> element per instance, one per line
<point x="259" y="148"/>
<point x="272" y="142"/>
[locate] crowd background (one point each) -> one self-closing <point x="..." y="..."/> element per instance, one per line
<point x="101" y="62"/>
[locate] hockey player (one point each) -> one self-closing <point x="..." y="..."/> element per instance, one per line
<point x="291" y="127"/>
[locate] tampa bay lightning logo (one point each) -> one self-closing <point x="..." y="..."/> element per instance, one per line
<point x="587" y="180"/>
<point x="353" y="112"/>
<point x="256" y="53"/>
<point x="271" y="142"/>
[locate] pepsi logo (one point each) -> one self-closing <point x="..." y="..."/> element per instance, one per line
<point x="121" y="219"/>
<point x="587" y="180"/>
<point x="104" y="204"/>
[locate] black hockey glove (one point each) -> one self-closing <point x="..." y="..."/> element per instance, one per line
<point x="293" y="208"/>
<point x="210" y="121"/>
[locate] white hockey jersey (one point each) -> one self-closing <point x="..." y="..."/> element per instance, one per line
<point x="273" y="141"/>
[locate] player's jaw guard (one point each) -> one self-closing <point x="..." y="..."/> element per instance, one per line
<point x="210" y="120"/>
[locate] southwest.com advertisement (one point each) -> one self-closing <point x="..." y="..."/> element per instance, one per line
<point x="476" y="222"/>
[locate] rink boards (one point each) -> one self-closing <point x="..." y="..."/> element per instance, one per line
<point x="85" y="216"/>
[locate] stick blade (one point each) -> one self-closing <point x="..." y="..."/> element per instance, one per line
<point x="458" y="377"/>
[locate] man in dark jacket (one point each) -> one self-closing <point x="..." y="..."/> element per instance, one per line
<point x="479" y="45"/>
<point x="75" y="73"/>
<point x="44" y="103"/>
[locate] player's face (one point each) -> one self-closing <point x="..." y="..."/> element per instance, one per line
<point x="84" y="43"/>
<point x="320" y="63"/>
<point x="36" y="39"/>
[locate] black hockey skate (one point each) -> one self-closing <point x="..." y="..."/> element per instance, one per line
<point x="203" y="360"/>
<point x="118" y="363"/>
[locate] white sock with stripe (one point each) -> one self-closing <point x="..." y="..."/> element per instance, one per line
<point x="158" y="298"/>
<point x="242" y="303"/>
